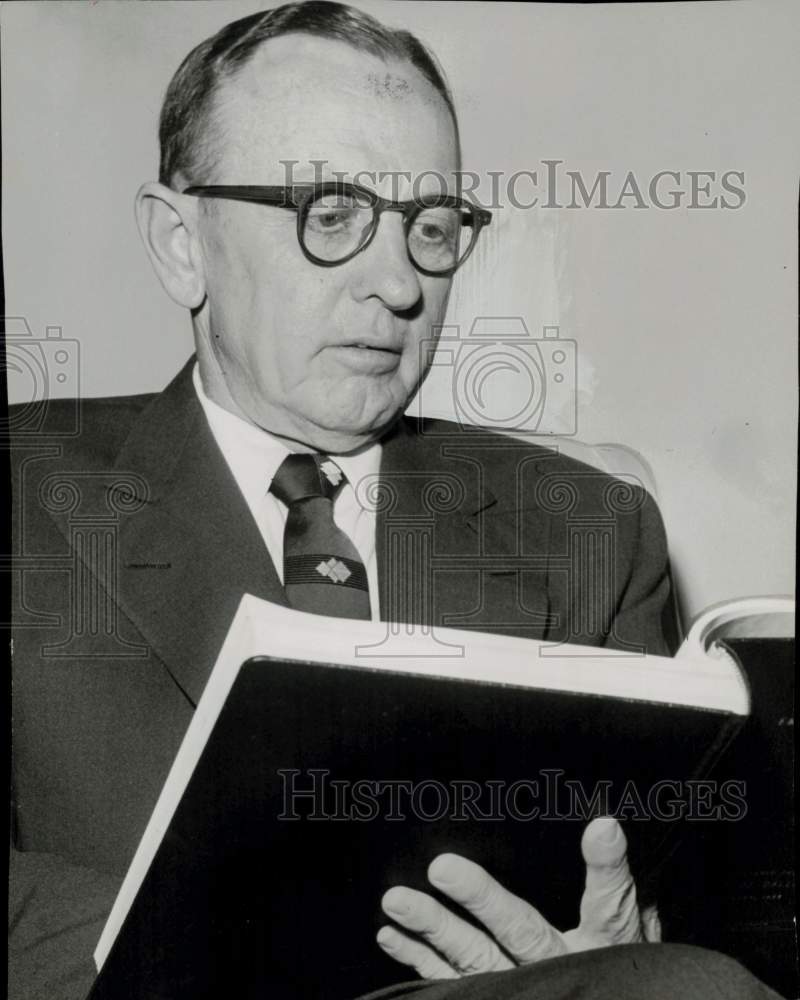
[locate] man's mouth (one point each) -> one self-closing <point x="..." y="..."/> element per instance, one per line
<point x="374" y="347"/>
<point x="374" y="358"/>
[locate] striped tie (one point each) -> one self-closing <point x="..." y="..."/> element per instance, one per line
<point x="322" y="571"/>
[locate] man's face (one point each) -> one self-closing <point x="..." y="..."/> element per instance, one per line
<point x="278" y="336"/>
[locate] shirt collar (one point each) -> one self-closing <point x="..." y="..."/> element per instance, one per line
<point x="254" y="455"/>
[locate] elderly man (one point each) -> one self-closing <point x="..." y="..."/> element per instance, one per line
<point x="312" y="298"/>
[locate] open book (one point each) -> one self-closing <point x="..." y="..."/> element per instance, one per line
<point x="744" y="618"/>
<point x="329" y="759"/>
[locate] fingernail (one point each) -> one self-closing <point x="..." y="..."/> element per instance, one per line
<point x="444" y="869"/>
<point x="398" y="907"/>
<point x="385" y="938"/>
<point x="609" y="831"/>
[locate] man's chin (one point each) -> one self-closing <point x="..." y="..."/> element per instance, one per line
<point x="338" y="439"/>
<point x="337" y="431"/>
<point x="343" y="441"/>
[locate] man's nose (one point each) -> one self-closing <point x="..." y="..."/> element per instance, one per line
<point x="385" y="268"/>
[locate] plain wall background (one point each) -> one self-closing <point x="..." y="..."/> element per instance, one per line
<point x="685" y="320"/>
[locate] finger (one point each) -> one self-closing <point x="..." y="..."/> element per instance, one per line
<point x="519" y="928"/>
<point x="609" y="907"/>
<point x="418" y="955"/>
<point x="651" y="924"/>
<point x="465" y="947"/>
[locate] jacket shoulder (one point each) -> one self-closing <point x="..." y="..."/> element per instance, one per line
<point x="88" y="432"/>
<point x="498" y="451"/>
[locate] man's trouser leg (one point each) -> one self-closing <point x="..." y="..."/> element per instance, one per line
<point x="626" y="972"/>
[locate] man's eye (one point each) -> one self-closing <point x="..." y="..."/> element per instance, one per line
<point x="330" y="219"/>
<point x="431" y="232"/>
<point x="435" y="229"/>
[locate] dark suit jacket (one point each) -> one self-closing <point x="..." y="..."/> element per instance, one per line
<point x="133" y="546"/>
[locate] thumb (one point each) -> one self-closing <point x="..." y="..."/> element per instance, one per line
<point x="608" y="908"/>
<point x="604" y="848"/>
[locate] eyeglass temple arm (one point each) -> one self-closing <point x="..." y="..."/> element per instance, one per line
<point x="270" y="195"/>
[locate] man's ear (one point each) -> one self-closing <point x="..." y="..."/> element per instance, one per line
<point x="168" y="226"/>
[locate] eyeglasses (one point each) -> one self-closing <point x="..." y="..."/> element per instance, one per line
<point x="337" y="220"/>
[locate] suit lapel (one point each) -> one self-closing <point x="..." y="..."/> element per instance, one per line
<point x="453" y="500"/>
<point x="193" y="550"/>
<point x="424" y="505"/>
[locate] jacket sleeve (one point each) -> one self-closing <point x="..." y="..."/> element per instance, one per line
<point x="646" y="614"/>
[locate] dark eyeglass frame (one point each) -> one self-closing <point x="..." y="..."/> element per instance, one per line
<point x="299" y="198"/>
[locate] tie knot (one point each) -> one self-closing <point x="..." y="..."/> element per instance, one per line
<point x="301" y="477"/>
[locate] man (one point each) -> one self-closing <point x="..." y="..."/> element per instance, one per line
<point x="310" y="307"/>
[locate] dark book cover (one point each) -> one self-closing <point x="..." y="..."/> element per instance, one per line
<point x="322" y="786"/>
<point x="731" y="886"/>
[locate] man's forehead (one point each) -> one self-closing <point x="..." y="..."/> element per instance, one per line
<point x="303" y="97"/>
<point x="289" y="64"/>
<point x="390" y="85"/>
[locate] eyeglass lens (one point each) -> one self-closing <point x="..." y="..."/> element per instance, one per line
<point x="336" y="224"/>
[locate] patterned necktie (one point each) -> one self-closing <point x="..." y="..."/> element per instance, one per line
<point x="322" y="571"/>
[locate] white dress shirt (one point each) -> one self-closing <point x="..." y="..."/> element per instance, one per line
<point x="254" y="456"/>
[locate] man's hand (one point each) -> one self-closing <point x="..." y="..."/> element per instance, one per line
<point x="443" y="946"/>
